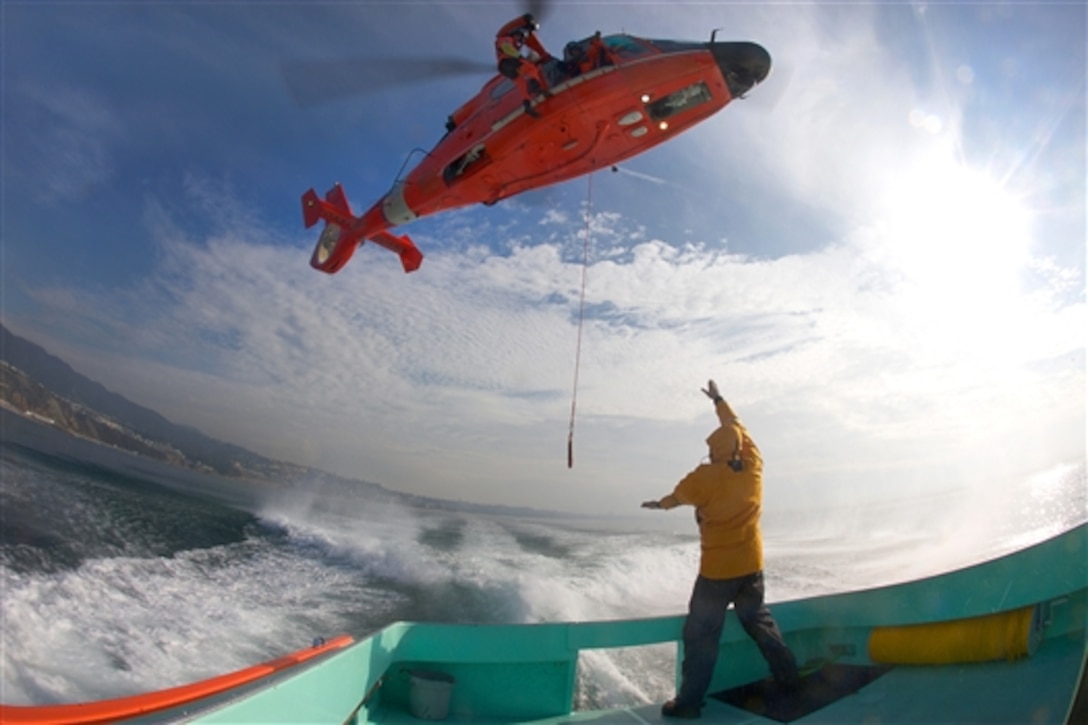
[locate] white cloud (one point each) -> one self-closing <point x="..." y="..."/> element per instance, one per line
<point x="898" y="355"/>
<point x="456" y="380"/>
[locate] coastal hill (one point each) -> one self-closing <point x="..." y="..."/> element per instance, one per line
<point x="38" y="385"/>
<point x="41" y="387"/>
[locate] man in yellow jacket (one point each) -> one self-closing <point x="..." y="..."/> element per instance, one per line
<point x="727" y="494"/>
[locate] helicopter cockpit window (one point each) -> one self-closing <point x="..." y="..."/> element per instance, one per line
<point x="681" y="100"/>
<point x="625" y="46"/>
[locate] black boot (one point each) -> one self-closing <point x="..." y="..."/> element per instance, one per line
<point x="681" y="712"/>
<point x="529" y="109"/>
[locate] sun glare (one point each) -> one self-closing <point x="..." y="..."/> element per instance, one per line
<point x="956" y="243"/>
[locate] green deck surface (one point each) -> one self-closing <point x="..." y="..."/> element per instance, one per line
<point x="992" y="692"/>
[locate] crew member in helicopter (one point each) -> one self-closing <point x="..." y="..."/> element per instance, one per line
<point x="577" y="59"/>
<point x="510" y="41"/>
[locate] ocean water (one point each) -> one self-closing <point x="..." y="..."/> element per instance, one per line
<point x="119" y="576"/>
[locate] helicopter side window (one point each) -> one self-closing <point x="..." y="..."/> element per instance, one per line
<point x="681" y="100"/>
<point x="505" y="86"/>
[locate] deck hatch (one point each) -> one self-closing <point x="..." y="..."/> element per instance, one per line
<point x="819" y="689"/>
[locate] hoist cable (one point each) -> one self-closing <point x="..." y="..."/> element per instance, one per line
<point x="581" y="322"/>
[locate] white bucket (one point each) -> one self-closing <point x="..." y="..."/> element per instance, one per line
<point x="429" y="694"/>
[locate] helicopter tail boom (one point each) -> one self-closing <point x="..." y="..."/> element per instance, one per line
<point x="344" y="232"/>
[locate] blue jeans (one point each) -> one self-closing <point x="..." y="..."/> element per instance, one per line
<point x="703" y="632"/>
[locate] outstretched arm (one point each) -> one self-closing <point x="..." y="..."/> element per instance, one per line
<point x="726" y="415"/>
<point x="668" y="502"/>
<point x="534" y="42"/>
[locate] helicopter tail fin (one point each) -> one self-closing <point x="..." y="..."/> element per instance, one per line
<point x="344" y="232"/>
<point x="341" y="234"/>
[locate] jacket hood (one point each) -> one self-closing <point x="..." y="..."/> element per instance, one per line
<point x="725" y="443"/>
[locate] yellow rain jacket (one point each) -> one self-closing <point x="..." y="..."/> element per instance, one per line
<point x="727" y="503"/>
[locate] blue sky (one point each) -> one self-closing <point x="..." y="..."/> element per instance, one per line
<point x="879" y="255"/>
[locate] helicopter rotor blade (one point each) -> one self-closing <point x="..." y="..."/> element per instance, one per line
<point x="316" y="82"/>
<point x="538" y="8"/>
<point x="767" y="95"/>
<point x="312" y="83"/>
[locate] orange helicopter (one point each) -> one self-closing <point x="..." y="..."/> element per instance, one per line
<point x="634" y="95"/>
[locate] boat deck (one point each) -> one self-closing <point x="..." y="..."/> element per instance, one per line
<point x="1030" y="605"/>
<point x="1036" y="691"/>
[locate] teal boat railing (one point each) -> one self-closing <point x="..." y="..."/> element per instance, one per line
<point x="529" y="671"/>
